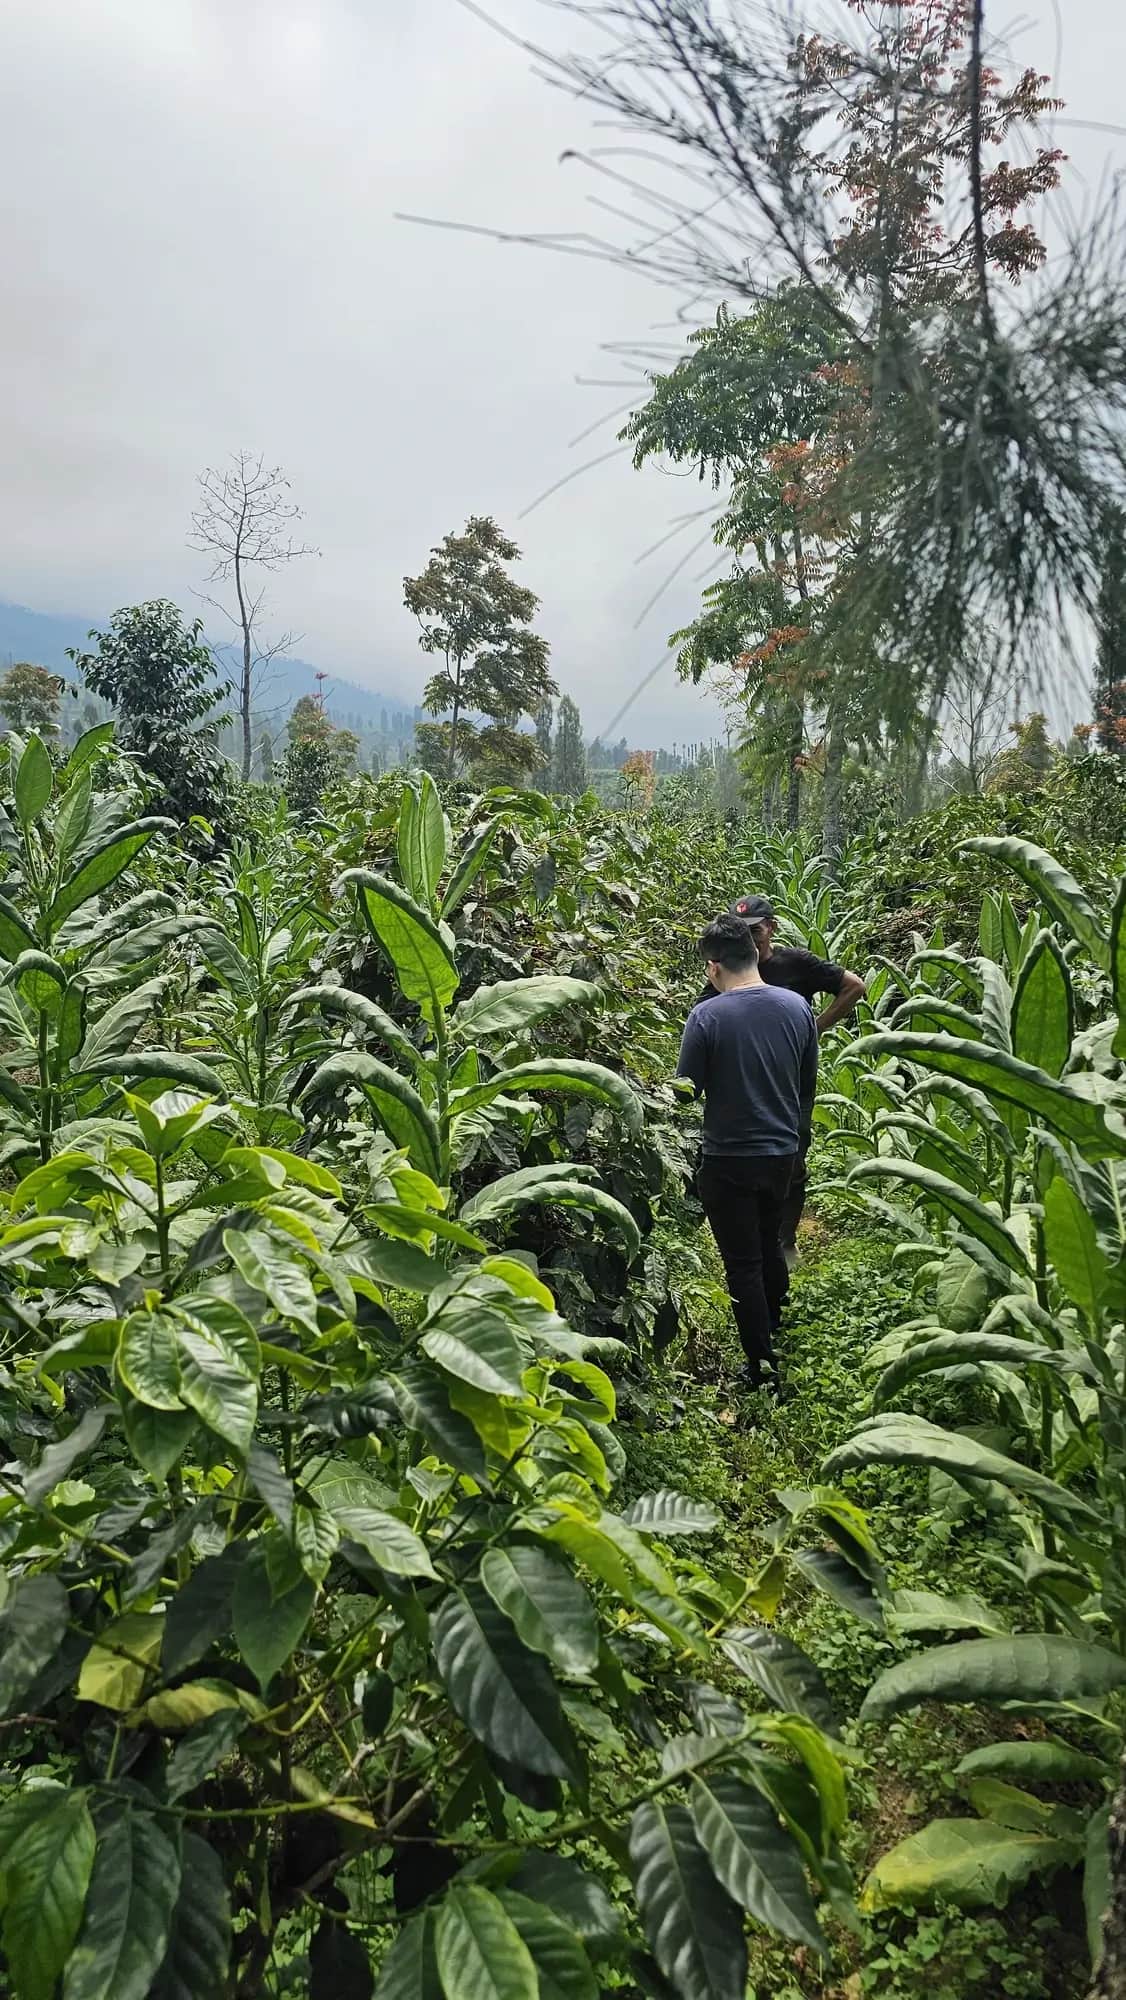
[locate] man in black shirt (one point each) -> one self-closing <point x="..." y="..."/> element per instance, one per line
<point x="801" y="972"/>
<point x="751" y="1053"/>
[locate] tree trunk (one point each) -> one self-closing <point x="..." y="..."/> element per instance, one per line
<point x="451" y="764"/>
<point x="834" y="786"/>
<point x="797" y="745"/>
<point x="1110" y="1978"/>
<point x="247" y="660"/>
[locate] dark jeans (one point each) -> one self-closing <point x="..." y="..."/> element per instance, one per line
<point x="743" y="1200"/>
<point x="794" y="1202"/>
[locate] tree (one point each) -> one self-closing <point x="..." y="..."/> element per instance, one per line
<point x="545" y="717"/>
<point x="568" y="772"/>
<point x="266" y="757"/>
<point x="159" y="677"/>
<point x="1025" y="767"/>
<point x="243" y="524"/>
<point x="29" y="699"/>
<point x="318" y="756"/>
<point x="472" y="613"/>
<point x="1110" y="633"/>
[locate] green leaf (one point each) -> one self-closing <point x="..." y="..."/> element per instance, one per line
<point x="695" y="1930"/>
<point x="954" y="1350"/>
<point x="1073" y="1247"/>
<point x="148" y="1360"/>
<point x="268" y="1628"/>
<point x="194" y="1703"/>
<point x="480" y="1953"/>
<point x="1025" y="1667"/>
<point x="15" y="935"/>
<point x="559" y="1185"/>
<point x="577" y="1897"/>
<point x="159" y="1066"/>
<point x="1097" y="1880"/>
<point x="200" y="1613"/>
<point x="410" y="1969"/>
<point x="35" y="781"/>
<point x="563" y="1968"/>
<point x="339" y="1966"/>
<point x="423" y="835"/>
<point x="420" y="950"/>
<point x="577" y="1079"/>
<point x="754" y="1857"/>
<point x="896" y="1439"/>
<point x="214" y="1383"/>
<point x="88" y="745"/>
<point x="1006" y="1080"/>
<point x="271" y="1484"/>
<point x="1058" y="891"/>
<point x="833" y="1574"/>
<point x="113" y="1032"/>
<point x="513" y="1005"/>
<point x="389" y="1541"/>
<point x="1039" y="1761"/>
<point x="204" y="1746"/>
<point x="128" y="1919"/>
<point x="157" y="1438"/>
<point x="927" y="1611"/>
<point x="503" y="1693"/>
<point x="1043" y="1016"/>
<point x="424" y="1405"/>
<point x="402" y="1265"/>
<point x="395" y="1102"/>
<point x="469" y="866"/>
<point x="103" y="867"/>
<point x="273" y="1271"/>
<point x="46" y="1874"/>
<point x="980" y="1221"/>
<point x="961" y="1292"/>
<point x="199" y="1944"/>
<point x="62" y="1456"/>
<point x="119" y="1662"/>
<point x="366" y="1013"/>
<point x="969" y="1862"/>
<point x="1117" y="967"/>
<point x="32" y="1626"/>
<point x="782" y="1672"/>
<point x="668" y="1513"/>
<point x="552" y="1612"/>
<point x="483" y="1351"/>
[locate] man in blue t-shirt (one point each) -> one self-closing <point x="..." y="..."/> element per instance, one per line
<point x="751" y="1053"/>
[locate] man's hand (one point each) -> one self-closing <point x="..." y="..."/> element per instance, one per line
<point x="852" y="992"/>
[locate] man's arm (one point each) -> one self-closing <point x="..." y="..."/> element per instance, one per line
<point x="852" y="990"/>
<point x="693" y="1063"/>
<point x="807" y="1082"/>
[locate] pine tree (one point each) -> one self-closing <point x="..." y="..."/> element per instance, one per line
<point x="545" y="717"/>
<point x="568" y="774"/>
<point x="1110" y="628"/>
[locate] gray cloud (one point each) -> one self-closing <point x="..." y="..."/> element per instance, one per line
<point x="201" y="253"/>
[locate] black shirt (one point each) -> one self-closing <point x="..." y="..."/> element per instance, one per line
<point x="798" y="970"/>
<point x="753" y="1058"/>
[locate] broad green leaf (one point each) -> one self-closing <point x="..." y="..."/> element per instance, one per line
<point x="503" y="1692"/>
<point x="267" y="1628"/>
<point x="148" y="1360"/>
<point x="15" y="935"/>
<point x="271" y="1483"/>
<point x="423" y="835"/>
<point x="11" y="1093"/>
<point x="73" y="817"/>
<point x="1117" y="967"/>
<point x="103" y="867"/>
<point x="365" y="1013"/>
<point x="782" y="1672"/>
<point x="159" y="1066"/>
<point x="575" y="1078"/>
<point x="695" y="1930"/>
<point x="45" y="1877"/>
<point x="896" y="1439"/>
<point x="469" y="867"/>
<point x="990" y="931"/>
<point x="1097" y="1880"/>
<point x="424" y="1405"/>
<point x="157" y="1438"/>
<point x="561" y="1185"/>
<point x="955" y="1350"/>
<point x="204" y="1746"/>
<point x="214" y="1383"/>
<point x="832" y="1573"/>
<point x="1007" y="1081"/>
<point x="961" y="1292"/>
<point x="199" y="1943"/>
<point x="1012" y="1807"/>
<point x="192" y="1704"/>
<point x="200" y="1613"/>
<point x="1043" y="1017"/>
<point x="973" y="1215"/>
<point x="552" y="1612"/>
<point x="268" y="1268"/>
<point x="1024" y="1667"/>
<point x="480" y="1953"/>
<point x="558" y="1882"/>
<point x="964" y="1861"/>
<point x="401" y="1265"/>
<point x="35" y="781"/>
<point x="128" y="1919"/>
<point x="420" y="950"/>
<point x="667" y="1514"/>
<point x="927" y="1611"/>
<point x="1059" y="892"/>
<point x="1073" y="1247"/>
<point x="88" y="745"/>
<point x="60" y="1457"/>
<point x="483" y="1351"/>
<point x="410" y="1969"/>
<point x="396" y="1103"/>
<point x="32" y="1625"/>
<point x="564" y="1971"/>
<point x="121" y="1659"/>
<point x="1038" y="1760"/>
<point x="390" y="1542"/>
<point x="754" y="1857"/>
<point x="114" y="1031"/>
<point x="513" y="1005"/>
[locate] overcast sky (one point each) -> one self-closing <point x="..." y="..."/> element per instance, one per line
<point x="200" y="253"/>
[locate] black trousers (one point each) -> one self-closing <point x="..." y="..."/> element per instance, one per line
<point x="743" y="1200"/>
<point x="794" y="1202"/>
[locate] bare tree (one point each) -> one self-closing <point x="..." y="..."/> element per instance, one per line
<point x="976" y="705"/>
<point x="243" y="522"/>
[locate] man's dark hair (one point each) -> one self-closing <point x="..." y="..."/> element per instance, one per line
<point x="730" y="942"/>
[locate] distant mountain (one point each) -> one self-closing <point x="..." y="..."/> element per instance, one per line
<point x="43" y="638"/>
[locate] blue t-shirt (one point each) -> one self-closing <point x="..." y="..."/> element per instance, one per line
<point x="752" y="1055"/>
